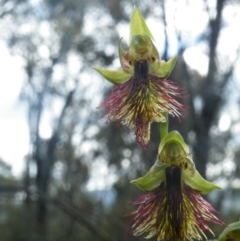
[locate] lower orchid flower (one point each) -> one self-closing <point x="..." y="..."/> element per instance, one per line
<point x="173" y="208"/>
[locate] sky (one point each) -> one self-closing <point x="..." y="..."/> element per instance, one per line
<point x="14" y="139"/>
<point x="14" y="133"/>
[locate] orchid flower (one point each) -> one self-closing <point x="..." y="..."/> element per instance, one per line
<point x="142" y="94"/>
<point x="173" y="208"/>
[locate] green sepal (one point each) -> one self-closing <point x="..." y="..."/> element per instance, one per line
<point x="114" y="76"/>
<point x="232" y="232"/>
<point x="153" y="179"/>
<point x="138" y="25"/>
<point x="165" y="68"/>
<point x="197" y="182"/>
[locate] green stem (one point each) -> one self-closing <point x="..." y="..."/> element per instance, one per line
<point x="164" y="127"/>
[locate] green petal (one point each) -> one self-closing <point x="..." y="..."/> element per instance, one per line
<point x="138" y="25"/>
<point x="123" y="56"/>
<point x="197" y="182"/>
<point x="165" y="68"/>
<point x="121" y="52"/>
<point x="232" y="232"/>
<point x="153" y="179"/>
<point x="114" y="76"/>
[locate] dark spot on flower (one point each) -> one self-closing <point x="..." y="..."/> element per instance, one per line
<point x="130" y="62"/>
<point x="185" y="165"/>
<point x="153" y="59"/>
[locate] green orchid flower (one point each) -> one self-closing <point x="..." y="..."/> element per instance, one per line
<point x="173" y="208"/>
<point x="142" y="94"/>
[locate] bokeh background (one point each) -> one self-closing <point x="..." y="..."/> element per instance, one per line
<point x="64" y="173"/>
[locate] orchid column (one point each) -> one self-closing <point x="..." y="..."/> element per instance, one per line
<point x="172" y="208"/>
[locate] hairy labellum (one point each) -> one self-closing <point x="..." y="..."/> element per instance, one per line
<point x="172" y="212"/>
<point x="141" y="100"/>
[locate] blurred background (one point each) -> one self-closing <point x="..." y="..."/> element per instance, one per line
<point x="64" y="173"/>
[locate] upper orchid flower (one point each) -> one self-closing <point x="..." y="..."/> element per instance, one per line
<point x="173" y="208"/>
<point x="142" y="94"/>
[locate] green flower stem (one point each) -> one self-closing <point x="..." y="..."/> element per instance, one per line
<point x="164" y="127"/>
